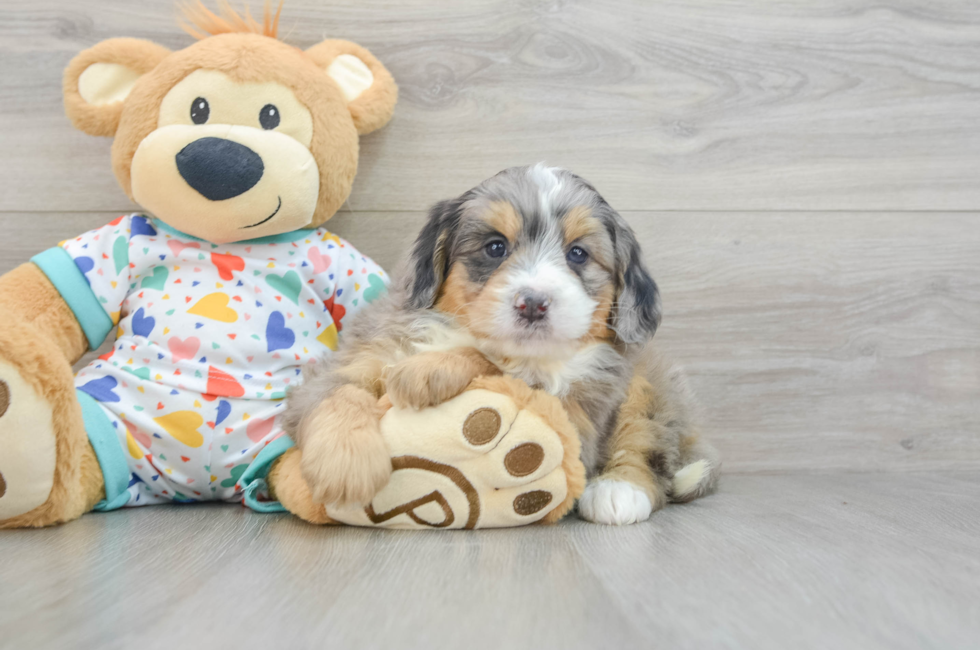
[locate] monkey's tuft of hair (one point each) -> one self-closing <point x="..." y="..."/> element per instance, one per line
<point x="201" y="22"/>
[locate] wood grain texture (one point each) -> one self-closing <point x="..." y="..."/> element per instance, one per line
<point x="815" y="341"/>
<point x="833" y="561"/>
<point x="717" y="104"/>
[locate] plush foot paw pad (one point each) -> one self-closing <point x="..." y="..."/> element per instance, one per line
<point x="27" y="445"/>
<point x="476" y="461"/>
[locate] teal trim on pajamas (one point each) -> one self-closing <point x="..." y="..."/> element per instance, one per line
<point x="285" y="237"/>
<point x="112" y="460"/>
<point x="254" y="477"/>
<point x="70" y="282"/>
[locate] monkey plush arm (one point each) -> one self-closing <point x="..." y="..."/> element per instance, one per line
<point x="72" y="293"/>
<point x="29" y="297"/>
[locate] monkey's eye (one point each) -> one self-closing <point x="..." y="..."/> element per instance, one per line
<point x="577" y="255"/>
<point x="269" y="117"/>
<point x="496" y="248"/>
<point x="200" y="111"/>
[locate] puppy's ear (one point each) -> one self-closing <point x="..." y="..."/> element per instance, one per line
<point x="637" y="310"/>
<point x="99" y="79"/>
<point x="365" y="83"/>
<point x="429" y="262"/>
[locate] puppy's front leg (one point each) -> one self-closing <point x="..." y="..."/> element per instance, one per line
<point x="431" y="378"/>
<point x="345" y="459"/>
<point x="627" y="491"/>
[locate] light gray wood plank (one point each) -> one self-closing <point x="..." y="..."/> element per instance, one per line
<point x="716" y="104"/>
<point x="848" y="561"/>
<point x="843" y="561"/>
<point x="815" y="341"/>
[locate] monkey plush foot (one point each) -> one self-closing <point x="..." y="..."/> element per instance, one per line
<point x="498" y="455"/>
<point x="48" y="471"/>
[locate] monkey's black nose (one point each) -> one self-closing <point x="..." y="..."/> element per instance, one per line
<point x="219" y="169"/>
<point x="532" y="307"/>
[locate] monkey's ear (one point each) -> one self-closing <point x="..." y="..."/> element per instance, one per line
<point x="367" y="85"/>
<point x="99" y="79"/>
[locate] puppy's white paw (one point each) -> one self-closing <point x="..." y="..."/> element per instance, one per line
<point x="615" y="503"/>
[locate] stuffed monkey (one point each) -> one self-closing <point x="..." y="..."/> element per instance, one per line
<point x="239" y="148"/>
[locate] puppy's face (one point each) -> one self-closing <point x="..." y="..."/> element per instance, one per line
<point x="534" y="260"/>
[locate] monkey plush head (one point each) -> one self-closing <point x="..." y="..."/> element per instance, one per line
<point x="237" y="136"/>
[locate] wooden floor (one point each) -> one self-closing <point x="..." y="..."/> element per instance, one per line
<point x="805" y="180"/>
<point x="860" y="561"/>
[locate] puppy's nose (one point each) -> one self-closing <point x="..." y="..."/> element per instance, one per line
<point x="219" y="169"/>
<point x="531" y="306"/>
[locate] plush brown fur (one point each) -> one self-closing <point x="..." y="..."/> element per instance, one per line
<point x="26" y="295"/>
<point x="375" y="106"/>
<point x="251" y="58"/>
<point x="78" y="481"/>
<point x="244" y="57"/>
<point x="136" y="54"/>
<point x="202" y="22"/>
<point x="287" y="486"/>
<point x="39" y="335"/>
<point x="31" y="305"/>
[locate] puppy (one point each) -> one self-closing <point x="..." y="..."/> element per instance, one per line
<point x="534" y="275"/>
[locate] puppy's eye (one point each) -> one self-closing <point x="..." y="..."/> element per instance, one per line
<point x="269" y="117"/>
<point x="200" y="111"/>
<point x="496" y="248"/>
<point x="577" y="255"/>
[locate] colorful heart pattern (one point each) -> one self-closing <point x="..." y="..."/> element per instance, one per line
<point x="277" y="335"/>
<point x="156" y="281"/>
<point x="288" y="285"/>
<point x="319" y="261"/>
<point x="183" y="349"/>
<point x="226" y="265"/>
<point x="142" y="324"/>
<point x="215" y="307"/>
<point x="210" y="339"/>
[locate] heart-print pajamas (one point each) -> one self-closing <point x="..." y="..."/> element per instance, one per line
<point x="209" y="339"/>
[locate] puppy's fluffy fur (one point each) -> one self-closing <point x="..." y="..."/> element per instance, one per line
<point x="534" y="275"/>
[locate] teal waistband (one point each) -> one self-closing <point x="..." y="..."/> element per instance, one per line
<point x="253" y="479"/>
<point x="112" y="460"/>
<point x="68" y="279"/>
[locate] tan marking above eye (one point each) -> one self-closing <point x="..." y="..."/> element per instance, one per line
<point x="502" y="217"/>
<point x="236" y="103"/>
<point x="581" y="226"/>
<point x="579" y="223"/>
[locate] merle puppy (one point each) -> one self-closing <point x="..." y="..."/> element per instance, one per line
<point x="531" y="274"/>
